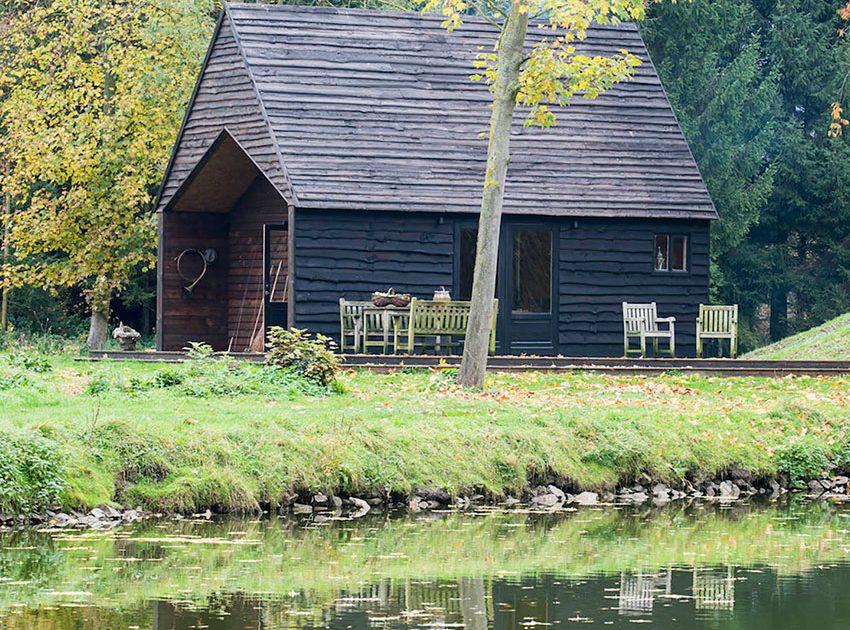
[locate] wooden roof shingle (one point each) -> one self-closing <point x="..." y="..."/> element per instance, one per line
<point x="376" y="111"/>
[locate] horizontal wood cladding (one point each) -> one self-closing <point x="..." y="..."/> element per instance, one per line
<point x="605" y="262"/>
<point x="376" y="111"/>
<point x="352" y="254"/>
<point x="225" y="98"/>
<point x="260" y="205"/>
<point x="602" y="262"/>
<point x="201" y="316"/>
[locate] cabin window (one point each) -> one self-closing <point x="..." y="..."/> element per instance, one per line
<point x="532" y="271"/>
<point x="670" y="252"/>
<point x="466" y="262"/>
<point x="467" y="249"/>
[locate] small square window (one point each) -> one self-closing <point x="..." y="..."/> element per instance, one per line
<point x="670" y="252"/>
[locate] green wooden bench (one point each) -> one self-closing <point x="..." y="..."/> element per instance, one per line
<point x="718" y="322"/>
<point x="437" y="325"/>
<point x="641" y="321"/>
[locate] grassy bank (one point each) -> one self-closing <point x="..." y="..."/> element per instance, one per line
<point x="206" y="434"/>
<point x="827" y="342"/>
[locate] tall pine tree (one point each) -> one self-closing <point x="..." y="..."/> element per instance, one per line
<point x="752" y="84"/>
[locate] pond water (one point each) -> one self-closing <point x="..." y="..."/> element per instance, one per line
<point x="699" y="566"/>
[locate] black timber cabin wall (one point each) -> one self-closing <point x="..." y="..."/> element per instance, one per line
<point x="601" y="263"/>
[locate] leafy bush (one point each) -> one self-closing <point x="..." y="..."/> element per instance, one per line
<point x="199" y="350"/>
<point x="100" y="384"/>
<point x="168" y="377"/>
<point x="802" y="458"/>
<point x="310" y="356"/>
<point x="31" y="472"/>
<point x="31" y="362"/>
<point x="13" y="380"/>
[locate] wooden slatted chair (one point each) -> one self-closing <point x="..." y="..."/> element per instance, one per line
<point x="440" y="323"/>
<point x="718" y="322"/>
<point x="350" y="316"/>
<point x="641" y="321"/>
<point x="373" y="331"/>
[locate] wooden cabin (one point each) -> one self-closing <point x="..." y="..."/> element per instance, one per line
<point x="329" y="153"/>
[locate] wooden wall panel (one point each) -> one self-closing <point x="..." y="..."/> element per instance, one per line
<point x="351" y="254"/>
<point x="606" y="262"/>
<point x="198" y="317"/>
<point x="601" y="263"/>
<point x="260" y="205"/>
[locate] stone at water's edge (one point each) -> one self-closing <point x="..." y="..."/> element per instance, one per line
<point x="586" y="498"/>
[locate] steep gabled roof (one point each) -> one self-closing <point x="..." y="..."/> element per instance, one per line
<point x="224" y="112"/>
<point x="375" y="110"/>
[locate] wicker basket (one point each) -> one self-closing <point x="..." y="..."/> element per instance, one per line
<point x="401" y="300"/>
<point x="382" y="299"/>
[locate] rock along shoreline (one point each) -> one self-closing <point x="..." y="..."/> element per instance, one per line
<point x="542" y="497"/>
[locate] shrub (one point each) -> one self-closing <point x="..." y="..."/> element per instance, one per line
<point x="99" y="384"/>
<point x="31" y="472"/>
<point x="199" y="350"/>
<point x="802" y="458"/>
<point x="168" y="377"/>
<point x="31" y="362"/>
<point x="310" y="356"/>
<point x="14" y="380"/>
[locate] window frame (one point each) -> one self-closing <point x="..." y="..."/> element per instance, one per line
<point x="671" y="236"/>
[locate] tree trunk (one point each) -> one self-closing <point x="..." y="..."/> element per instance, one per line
<point x="779" y="314"/>
<point x="505" y="88"/>
<point x="7" y="251"/>
<point x="99" y="325"/>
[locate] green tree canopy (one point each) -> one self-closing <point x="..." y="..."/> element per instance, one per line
<point x="94" y="93"/>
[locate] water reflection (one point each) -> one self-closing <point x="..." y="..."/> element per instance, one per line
<point x="697" y="567"/>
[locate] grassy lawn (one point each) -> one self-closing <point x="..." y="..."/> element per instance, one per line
<point x="205" y="434"/>
<point x="827" y="342"/>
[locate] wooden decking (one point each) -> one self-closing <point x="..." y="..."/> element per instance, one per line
<point x="385" y="363"/>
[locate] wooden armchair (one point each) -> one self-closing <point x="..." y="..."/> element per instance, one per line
<point x="641" y="321"/>
<point x="718" y="322"/>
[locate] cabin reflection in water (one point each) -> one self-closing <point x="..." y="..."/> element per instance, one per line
<point x="474" y="603"/>
<point x="710" y="588"/>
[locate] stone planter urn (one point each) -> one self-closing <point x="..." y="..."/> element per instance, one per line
<point x="126" y="337"/>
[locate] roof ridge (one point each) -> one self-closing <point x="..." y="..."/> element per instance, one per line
<point x="431" y="16"/>
<point x="292" y="198"/>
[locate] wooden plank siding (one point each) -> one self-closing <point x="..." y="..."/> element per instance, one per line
<point x="602" y="262"/>
<point x="260" y="205"/>
<point x="201" y="316"/>
<point x="348" y="254"/>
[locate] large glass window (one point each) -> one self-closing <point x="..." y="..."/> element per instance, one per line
<point x="532" y="271"/>
<point x="670" y="252"/>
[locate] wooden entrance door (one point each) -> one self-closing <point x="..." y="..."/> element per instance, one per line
<point x="276" y="278"/>
<point x="528" y="296"/>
